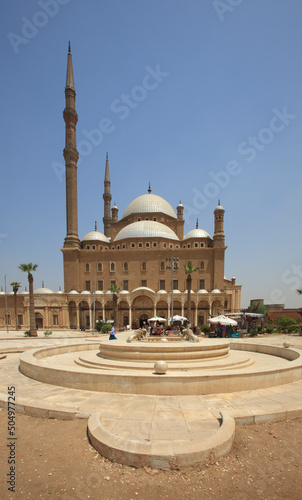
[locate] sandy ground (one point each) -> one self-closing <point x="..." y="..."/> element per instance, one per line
<point x="55" y="460"/>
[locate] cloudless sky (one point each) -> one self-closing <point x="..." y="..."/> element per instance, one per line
<point x="223" y="122"/>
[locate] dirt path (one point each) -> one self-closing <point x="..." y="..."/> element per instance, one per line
<point x="55" y="460"/>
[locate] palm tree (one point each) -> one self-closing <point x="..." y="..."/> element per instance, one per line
<point x="29" y="268"/>
<point x="114" y="289"/>
<point x="16" y="287"/>
<point x="189" y="269"/>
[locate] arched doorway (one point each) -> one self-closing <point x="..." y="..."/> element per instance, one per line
<point x="203" y="313"/>
<point x="162" y="309"/>
<point x="143" y="318"/>
<point x="109" y="310"/>
<point x="39" y="320"/>
<point x="72" y="309"/>
<point x="84" y="315"/>
<point x="123" y="308"/>
<point x="217" y="308"/>
<point x="141" y="305"/>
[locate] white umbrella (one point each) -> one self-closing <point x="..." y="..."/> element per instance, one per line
<point x="157" y="318"/>
<point x="223" y="320"/>
<point x="178" y="318"/>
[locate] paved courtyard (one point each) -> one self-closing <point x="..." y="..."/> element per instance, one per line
<point x="141" y="417"/>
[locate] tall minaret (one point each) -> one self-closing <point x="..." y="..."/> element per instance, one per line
<point x="71" y="156"/>
<point x="107" y="201"/>
<point x="219" y="239"/>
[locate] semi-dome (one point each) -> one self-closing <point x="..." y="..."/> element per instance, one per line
<point x="149" y="203"/>
<point x="146" y="229"/>
<point x="73" y="292"/>
<point x="43" y="290"/>
<point x="197" y="233"/>
<point x="96" y="236"/>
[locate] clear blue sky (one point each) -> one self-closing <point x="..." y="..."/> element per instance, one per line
<point x="222" y="119"/>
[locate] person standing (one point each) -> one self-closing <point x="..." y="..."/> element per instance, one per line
<point x="112" y="333"/>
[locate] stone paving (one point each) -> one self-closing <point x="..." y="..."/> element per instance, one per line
<point x="138" y="417"/>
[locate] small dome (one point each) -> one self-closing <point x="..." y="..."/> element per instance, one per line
<point x="149" y="203"/>
<point x="124" y="292"/>
<point x="73" y="292"/>
<point x="25" y="292"/>
<point x="216" y="290"/>
<point x="96" y="236"/>
<point x="3" y="293"/>
<point x="10" y="293"/>
<point x="176" y="291"/>
<point x="60" y="291"/>
<point x="202" y="291"/>
<point x="98" y="292"/>
<point x="219" y="207"/>
<point x="85" y="292"/>
<point x="43" y="290"/>
<point x="197" y="233"/>
<point x="146" y="229"/>
<point x="162" y="291"/>
<point x="141" y="288"/>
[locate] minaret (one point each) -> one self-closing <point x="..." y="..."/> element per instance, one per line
<point x="71" y="156"/>
<point x="107" y="201"/>
<point x="219" y="239"/>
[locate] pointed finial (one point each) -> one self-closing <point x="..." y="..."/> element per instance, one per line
<point x="197" y="223"/>
<point x="69" y="49"/>
<point x="42" y="284"/>
<point x="106" y="156"/>
<point x="149" y="189"/>
<point x="95" y="226"/>
<point x="218" y="202"/>
<point x="60" y="289"/>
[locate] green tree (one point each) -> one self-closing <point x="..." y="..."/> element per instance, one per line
<point x="114" y="289"/>
<point x="16" y="287"/>
<point x="299" y="292"/>
<point x="29" y="269"/>
<point x="285" y="323"/>
<point x="258" y="307"/>
<point x="189" y="269"/>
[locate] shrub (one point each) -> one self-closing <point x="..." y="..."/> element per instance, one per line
<point x="269" y="329"/>
<point x="47" y="333"/>
<point x="27" y="333"/>
<point x="285" y="323"/>
<point x="105" y="328"/>
<point x="205" y="328"/>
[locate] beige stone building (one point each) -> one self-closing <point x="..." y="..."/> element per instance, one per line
<point x="136" y="252"/>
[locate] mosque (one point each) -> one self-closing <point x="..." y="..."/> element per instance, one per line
<point x="143" y="253"/>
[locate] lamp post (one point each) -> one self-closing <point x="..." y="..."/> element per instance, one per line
<point x="173" y="265"/>
<point x="6" y="314"/>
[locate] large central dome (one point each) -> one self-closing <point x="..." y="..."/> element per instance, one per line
<point x="146" y="229"/>
<point x="149" y="203"/>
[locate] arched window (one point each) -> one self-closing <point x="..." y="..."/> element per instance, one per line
<point x="100" y="267"/>
<point x="87" y="268"/>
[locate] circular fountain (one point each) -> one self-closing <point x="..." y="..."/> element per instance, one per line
<point x="206" y="367"/>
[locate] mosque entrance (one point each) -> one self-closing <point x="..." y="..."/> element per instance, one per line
<point x="143" y="318"/>
<point x="39" y="320"/>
